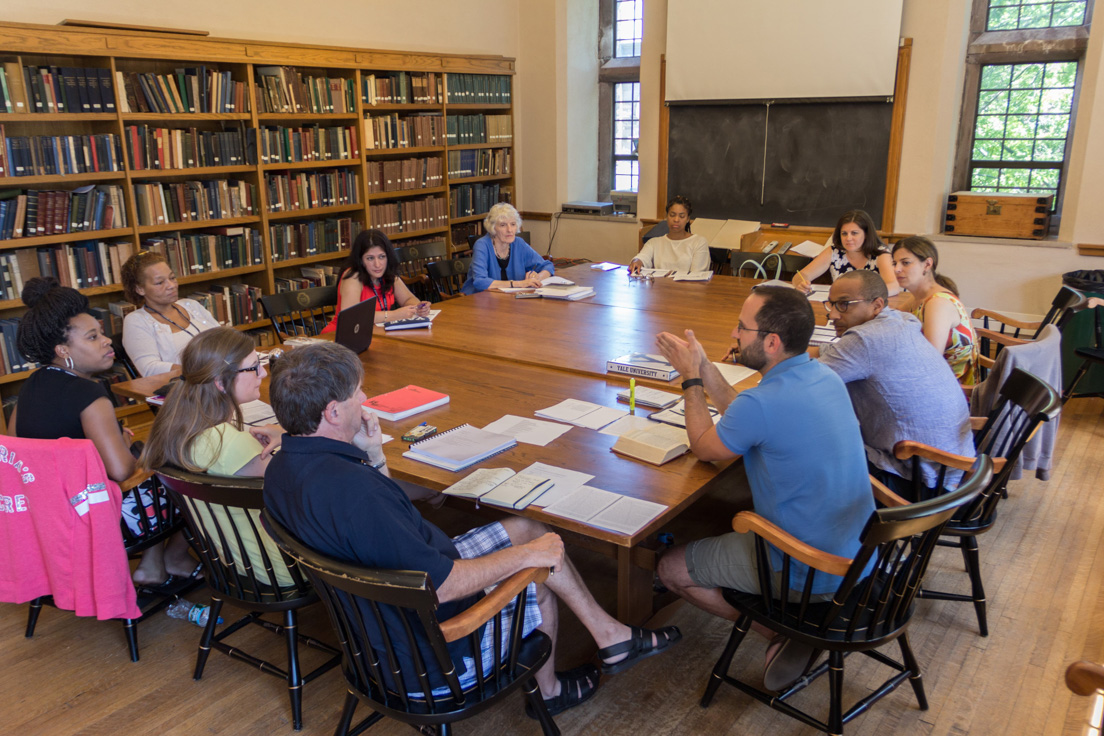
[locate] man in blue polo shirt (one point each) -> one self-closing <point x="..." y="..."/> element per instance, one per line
<point x="803" y="453"/>
<point x="329" y="485"/>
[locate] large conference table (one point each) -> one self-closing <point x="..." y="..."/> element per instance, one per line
<point x="495" y="355"/>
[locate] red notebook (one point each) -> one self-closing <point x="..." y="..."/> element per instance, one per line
<point x="405" y="402"/>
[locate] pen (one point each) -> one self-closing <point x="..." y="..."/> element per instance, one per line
<point x="632" y="395"/>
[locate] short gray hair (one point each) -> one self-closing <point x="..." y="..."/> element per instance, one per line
<point x="305" y="381"/>
<point x="501" y="211"/>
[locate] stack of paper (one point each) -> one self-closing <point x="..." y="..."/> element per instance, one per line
<point x="405" y="402"/>
<point x="655" y="273"/>
<point x="459" y="448"/>
<point x="500" y="487"/>
<point x="557" y="281"/>
<point x="529" y="431"/>
<point x="692" y="276"/>
<point x="581" y="413"/>
<point x="605" y="266"/>
<point x="257" y="413"/>
<point x="823" y="335"/>
<point x="607" y="510"/>
<point x="565" y="482"/>
<point x="819" y="292"/>
<point x="650" y="397"/>
<point x="570" y="293"/>
<point x="676" y="415"/>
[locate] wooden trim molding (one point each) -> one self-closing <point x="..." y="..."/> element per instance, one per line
<point x="896" y="135"/>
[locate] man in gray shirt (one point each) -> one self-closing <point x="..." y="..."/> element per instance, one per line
<point x="900" y="386"/>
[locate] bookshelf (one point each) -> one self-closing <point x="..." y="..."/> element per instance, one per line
<point x="243" y="160"/>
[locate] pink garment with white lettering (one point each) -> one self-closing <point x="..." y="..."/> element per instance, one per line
<point x="59" y="529"/>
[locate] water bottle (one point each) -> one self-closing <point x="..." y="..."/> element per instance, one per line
<point x="197" y="613"/>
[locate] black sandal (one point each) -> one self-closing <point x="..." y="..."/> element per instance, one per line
<point x="576" y="687"/>
<point x="639" y="646"/>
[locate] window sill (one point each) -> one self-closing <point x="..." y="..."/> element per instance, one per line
<point x="1050" y="241"/>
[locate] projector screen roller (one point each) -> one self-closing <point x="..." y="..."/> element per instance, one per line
<point x="781" y="49"/>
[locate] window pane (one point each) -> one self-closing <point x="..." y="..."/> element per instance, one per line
<point x="1023" y="101"/>
<point x="626" y="130"/>
<point x="993" y="102"/>
<point x="1058" y="100"/>
<point x="995" y="76"/>
<point x="1017" y="150"/>
<point x="628" y="28"/>
<point x="1061" y="74"/>
<point x="1044" y="179"/>
<point x="1021" y="126"/>
<point x="1053" y="126"/>
<point x="1049" y="150"/>
<point x="984" y="179"/>
<point x="1027" y="75"/>
<point x="987" y="150"/>
<point x="1005" y="15"/>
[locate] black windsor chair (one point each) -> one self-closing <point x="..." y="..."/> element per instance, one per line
<point x="300" y="313"/>
<point x="998" y="331"/>
<point x="866" y="612"/>
<point x="1025" y="402"/>
<point x="413" y="259"/>
<point x="243" y="567"/>
<point x="448" y="277"/>
<point x="353" y="593"/>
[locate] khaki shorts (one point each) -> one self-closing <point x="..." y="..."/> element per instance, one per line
<point x="728" y="561"/>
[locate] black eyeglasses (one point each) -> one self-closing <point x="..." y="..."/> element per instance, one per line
<point x="740" y="328"/>
<point x="841" y="306"/>
<point x="255" y="368"/>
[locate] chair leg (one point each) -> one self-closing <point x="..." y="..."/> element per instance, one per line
<point x="346" y="715"/>
<point x="208" y="635"/>
<point x="295" y="679"/>
<point x="739" y="631"/>
<point x="914" y="670"/>
<point x="1068" y="394"/>
<point x="835" y="692"/>
<point x="536" y="702"/>
<point x="973" y="567"/>
<point x="32" y="616"/>
<point x="130" y="627"/>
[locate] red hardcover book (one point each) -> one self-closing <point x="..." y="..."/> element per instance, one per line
<point x="405" y="402"/>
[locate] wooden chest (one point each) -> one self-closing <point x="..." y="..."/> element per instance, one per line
<point x="998" y="215"/>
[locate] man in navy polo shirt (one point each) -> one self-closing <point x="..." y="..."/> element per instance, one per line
<point x="803" y="453"/>
<point x="329" y="485"/>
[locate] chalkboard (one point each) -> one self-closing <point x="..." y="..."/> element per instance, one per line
<point x="822" y="158"/>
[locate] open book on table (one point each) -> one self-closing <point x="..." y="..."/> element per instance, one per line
<point x="656" y="445"/>
<point x="500" y="487"/>
<point x="606" y="510"/>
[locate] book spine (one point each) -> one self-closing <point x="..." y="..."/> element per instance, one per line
<point x="635" y="370"/>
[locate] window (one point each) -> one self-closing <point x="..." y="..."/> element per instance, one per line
<point x="626" y="132"/>
<point x="629" y="28"/>
<point x="1022" y="77"/>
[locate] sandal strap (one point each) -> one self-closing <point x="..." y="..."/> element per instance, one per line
<point x="628" y="646"/>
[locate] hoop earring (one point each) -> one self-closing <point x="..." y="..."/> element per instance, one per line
<point x="69" y="362"/>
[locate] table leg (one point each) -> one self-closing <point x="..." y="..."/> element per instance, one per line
<point x="634" y="585"/>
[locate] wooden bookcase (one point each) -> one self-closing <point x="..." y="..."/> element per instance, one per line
<point x="466" y="86"/>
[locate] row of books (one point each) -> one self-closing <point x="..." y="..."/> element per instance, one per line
<point x="401" y="88"/>
<point x="81" y="265"/>
<point x="311" y="277"/>
<point x="479" y="162"/>
<point x="300" y="190"/>
<point x="232" y="304"/>
<point x="473" y="199"/>
<point x="51" y="89"/>
<point x="33" y="213"/>
<point x="281" y="89"/>
<point x="150" y="147"/>
<point x="11" y="359"/>
<point x="409" y="215"/>
<point x="409" y="131"/>
<point x="192" y="201"/>
<point x="465" y="129"/>
<point x="280" y="144"/>
<point x="302" y="239"/>
<point x="458" y="235"/>
<point x="54" y="155"/>
<point x="478" y="89"/>
<point x="190" y="253"/>
<point x="407" y="173"/>
<point x="186" y="90"/>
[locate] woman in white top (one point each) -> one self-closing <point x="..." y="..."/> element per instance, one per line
<point x="155" y="334"/>
<point x="678" y="250"/>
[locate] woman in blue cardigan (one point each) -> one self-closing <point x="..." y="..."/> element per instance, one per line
<point x="500" y="259"/>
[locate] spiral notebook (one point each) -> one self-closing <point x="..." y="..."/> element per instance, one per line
<point x="459" y="448"/>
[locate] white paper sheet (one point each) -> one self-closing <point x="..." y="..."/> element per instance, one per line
<point x="600" y="417"/>
<point x="808" y="248"/>
<point x="529" y="431"/>
<point x="692" y="276"/>
<point x="733" y="373"/>
<point x="605" y="266"/>
<point x="258" y="413"/>
<point x="566" y="482"/>
<point x="607" y="510"/>
<point x="627" y="423"/>
<point x="567" y="410"/>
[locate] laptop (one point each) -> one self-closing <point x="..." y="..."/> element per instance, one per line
<point x="356" y="324"/>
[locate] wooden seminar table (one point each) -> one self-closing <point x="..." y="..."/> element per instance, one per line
<point x="482" y="390"/>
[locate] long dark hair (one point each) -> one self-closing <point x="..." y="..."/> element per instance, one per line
<point x="685" y="202"/>
<point x="354" y="264"/>
<point x="872" y="246"/>
<point x="45" y="325"/>
<point x="924" y="249"/>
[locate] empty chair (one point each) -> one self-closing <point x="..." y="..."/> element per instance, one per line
<point x="998" y="331"/>
<point x="412" y="262"/>
<point x="361" y="601"/>
<point x="303" y="312"/>
<point x="243" y="567"/>
<point x="1025" y="402"/>
<point x="448" y="277"/>
<point x="871" y="608"/>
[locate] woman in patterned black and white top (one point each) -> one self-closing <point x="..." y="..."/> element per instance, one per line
<point x="854" y="246"/>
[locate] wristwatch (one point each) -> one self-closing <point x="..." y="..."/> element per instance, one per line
<point x="380" y="464"/>
<point x="692" y="382"/>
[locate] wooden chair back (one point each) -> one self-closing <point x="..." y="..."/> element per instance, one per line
<point x="364" y="606"/>
<point x="299" y="313"/>
<point x="868" y="607"/>
<point x="448" y="277"/>
<point x="412" y="262"/>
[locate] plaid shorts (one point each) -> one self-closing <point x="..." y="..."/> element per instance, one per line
<point x="477" y="543"/>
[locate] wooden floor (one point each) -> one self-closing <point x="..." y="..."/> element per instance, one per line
<point x="1044" y="571"/>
